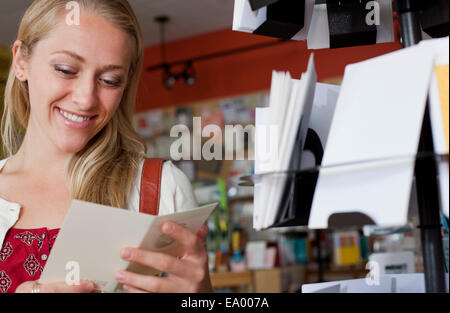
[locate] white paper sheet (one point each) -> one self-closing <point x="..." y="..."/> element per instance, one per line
<point x="93" y="235"/>
<point x="298" y="115"/>
<point x="246" y="20"/>
<point x="411" y="283"/>
<point x="379" y="115"/>
<point x="309" y="9"/>
<point x="321" y="288"/>
<point x="325" y="99"/>
<point x="394" y="283"/>
<point x="352" y="286"/>
<point x="319" y="31"/>
<point x="266" y="141"/>
<point x="385" y="31"/>
<point x="290" y="107"/>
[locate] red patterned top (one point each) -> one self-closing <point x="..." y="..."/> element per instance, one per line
<point x="23" y="256"/>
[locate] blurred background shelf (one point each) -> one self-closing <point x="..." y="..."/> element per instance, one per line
<point x="254" y="281"/>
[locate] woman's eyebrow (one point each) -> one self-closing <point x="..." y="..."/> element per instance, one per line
<point x="110" y="67"/>
<point x="113" y="67"/>
<point x="71" y="54"/>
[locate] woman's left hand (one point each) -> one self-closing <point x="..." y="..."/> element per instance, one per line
<point x="187" y="274"/>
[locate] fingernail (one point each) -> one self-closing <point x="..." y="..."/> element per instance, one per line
<point x="168" y="227"/>
<point x="120" y="276"/>
<point x="126" y="254"/>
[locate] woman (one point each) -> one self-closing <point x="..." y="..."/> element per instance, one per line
<point x="68" y="134"/>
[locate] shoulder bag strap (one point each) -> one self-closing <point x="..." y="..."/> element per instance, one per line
<point x="150" y="186"/>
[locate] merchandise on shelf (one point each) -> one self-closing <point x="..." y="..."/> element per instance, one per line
<point x="293" y="248"/>
<point x="237" y="262"/>
<point x="346" y="248"/>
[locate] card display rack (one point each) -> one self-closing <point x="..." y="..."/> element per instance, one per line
<point x="295" y="208"/>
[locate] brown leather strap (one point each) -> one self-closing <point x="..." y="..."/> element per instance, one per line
<point x="150" y="186"/>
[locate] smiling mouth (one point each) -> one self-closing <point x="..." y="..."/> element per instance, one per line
<point x="74" y="117"/>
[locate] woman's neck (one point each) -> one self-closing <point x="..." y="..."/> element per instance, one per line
<point x="39" y="156"/>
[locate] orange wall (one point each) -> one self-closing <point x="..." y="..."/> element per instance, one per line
<point x="241" y="73"/>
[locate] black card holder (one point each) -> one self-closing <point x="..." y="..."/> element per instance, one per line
<point x="347" y="24"/>
<point x="298" y="193"/>
<point x="435" y="18"/>
<point x="285" y="18"/>
<point x="258" y="4"/>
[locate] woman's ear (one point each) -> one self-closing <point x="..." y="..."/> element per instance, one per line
<point x="19" y="63"/>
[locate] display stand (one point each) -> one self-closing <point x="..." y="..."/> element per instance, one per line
<point x="425" y="175"/>
<point x="427" y="185"/>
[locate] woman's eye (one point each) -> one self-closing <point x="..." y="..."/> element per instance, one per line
<point x="64" y="70"/>
<point x="110" y="82"/>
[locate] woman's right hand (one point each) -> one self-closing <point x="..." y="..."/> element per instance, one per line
<point x="85" y="286"/>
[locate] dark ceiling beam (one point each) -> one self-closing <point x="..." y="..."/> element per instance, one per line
<point x="217" y="55"/>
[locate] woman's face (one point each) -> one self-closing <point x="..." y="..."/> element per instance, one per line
<point x="76" y="77"/>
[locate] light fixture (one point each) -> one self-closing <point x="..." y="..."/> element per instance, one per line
<point x="189" y="74"/>
<point x="169" y="77"/>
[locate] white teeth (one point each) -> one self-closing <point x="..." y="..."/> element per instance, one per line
<point x="74" y="117"/>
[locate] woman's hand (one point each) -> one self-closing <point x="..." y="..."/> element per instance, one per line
<point x="60" y="287"/>
<point x="188" y="274"/>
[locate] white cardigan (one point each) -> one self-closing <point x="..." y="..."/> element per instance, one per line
<point x="176" y="195"/>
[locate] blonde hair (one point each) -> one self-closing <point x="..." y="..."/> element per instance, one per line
<point x="102" y="172"/>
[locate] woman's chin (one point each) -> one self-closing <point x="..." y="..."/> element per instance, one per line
<point x="72" y="147"/>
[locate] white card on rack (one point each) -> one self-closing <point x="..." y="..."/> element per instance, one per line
<point x="319" y="32"/>
<point x="361" y="285"/>
<point x="297" y="119"/>
<point x="246" y="20"/>
<point x="378" y="116"/>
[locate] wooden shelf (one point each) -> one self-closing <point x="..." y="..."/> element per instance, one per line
<point x="241" y="199"/>
<point x="351" y="272"/>
<point x="259" y="281"/>
<point x="231" y="279"/>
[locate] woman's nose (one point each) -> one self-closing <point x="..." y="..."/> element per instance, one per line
<point x="84" y="94"/>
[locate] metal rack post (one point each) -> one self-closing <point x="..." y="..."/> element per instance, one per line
<point x="425" y="171"/>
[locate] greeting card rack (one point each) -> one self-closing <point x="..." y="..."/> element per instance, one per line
<point x="425" y="168"/>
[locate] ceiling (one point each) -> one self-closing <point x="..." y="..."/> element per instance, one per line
<point x="188" y="18"/>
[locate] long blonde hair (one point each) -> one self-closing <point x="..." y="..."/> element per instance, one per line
<point x="102" y="172"/>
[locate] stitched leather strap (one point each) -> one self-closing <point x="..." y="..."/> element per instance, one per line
<point x="150" y="186"/>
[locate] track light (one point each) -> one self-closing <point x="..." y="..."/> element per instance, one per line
<point x="189" y="74"/>
<point x="169" y="79"/>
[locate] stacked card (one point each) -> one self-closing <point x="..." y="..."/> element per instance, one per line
<point x="281" y="129"/>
